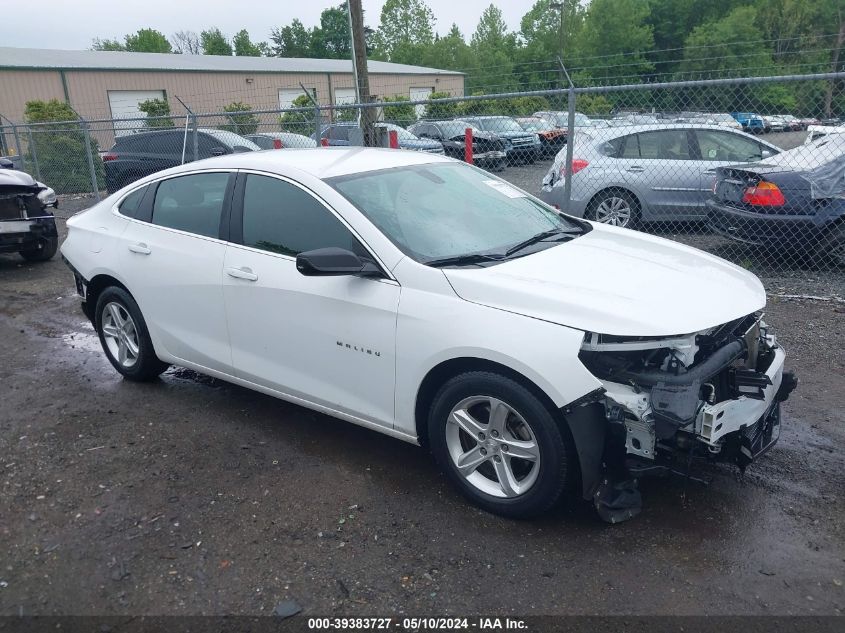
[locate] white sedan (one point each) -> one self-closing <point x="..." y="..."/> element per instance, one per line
<point x="429" y="300"/>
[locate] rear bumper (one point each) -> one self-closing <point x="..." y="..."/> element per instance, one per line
<point x="762" y="228"/>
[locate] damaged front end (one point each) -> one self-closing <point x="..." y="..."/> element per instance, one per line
<point x="713" y="394"/>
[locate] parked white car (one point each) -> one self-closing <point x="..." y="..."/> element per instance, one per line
<point x="426" y="299"/>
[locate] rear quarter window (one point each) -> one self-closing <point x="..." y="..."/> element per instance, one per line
<point x="131" y="204"/>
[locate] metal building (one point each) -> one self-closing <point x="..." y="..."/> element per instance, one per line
<point x="110" y="85"/>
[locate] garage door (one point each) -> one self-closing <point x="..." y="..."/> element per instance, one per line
<point x="418" y="94"/>
<point x="287" y="96"/>
<point x="124" y="105"/>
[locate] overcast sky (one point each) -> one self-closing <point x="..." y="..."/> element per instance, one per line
<point x="73" y="24"/>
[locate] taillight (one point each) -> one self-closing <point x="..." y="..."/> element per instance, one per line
<point x="577" y="165"/>
<point x="764" y="194"/>
<point x="109" y="156"/>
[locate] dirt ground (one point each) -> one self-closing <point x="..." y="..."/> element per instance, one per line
<point x="193" y="496"/>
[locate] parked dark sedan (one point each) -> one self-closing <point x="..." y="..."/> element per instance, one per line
<point x="520" y="146"/>
<point x="794" y="201"/>
<point x="137" y="155"/>
<point x="487" y="148"/>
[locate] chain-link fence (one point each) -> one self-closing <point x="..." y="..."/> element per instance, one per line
<point x="752" y="170"/>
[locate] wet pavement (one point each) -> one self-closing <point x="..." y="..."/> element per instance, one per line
<point x="190" y="495"/>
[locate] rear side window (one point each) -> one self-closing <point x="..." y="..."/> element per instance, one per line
<point x="282" y="218"/>
<point x="724" y="146"/>
<point x="191" y="203"/>
<point x="339" y="133"/>
<point x="132" y="203"/>
<point x="664" y="144"/>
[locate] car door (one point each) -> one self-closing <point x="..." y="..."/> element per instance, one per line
<point x="172" y="259"/>
<point x="326" y="340"/>
<point x="718" y="148"/>
<point x="660" y="165"/>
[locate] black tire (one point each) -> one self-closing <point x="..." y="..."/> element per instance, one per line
<point x="46" y="248"/>
<point x="831" y="248"/>
<point x="550" y="435"/>
<point x="606" y="196"/>
<point x="146" y="365"/>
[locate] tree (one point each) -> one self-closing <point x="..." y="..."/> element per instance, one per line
<point x="107" y="45"/>
<point x="546" y="34"/>
<point x="244" y="47"/>
<point x="401" y="113"/>
<point x="156" y="108"/>
<point x="299" y="122"/>
<point x="240" y="118"/>
<point x="215" y="43"/>
<point x="293" y="40"/>
<point x="435" y="110"/>
<point x="495" y="49"/>
<point x="61" y="148"/>
<point x="186" y="43"/>
<point x="615" y="39"/>
<point x="331" y="39"/>
<point x="405" y="30"/>
<point x="148" y="41"/>
<point x="449" y="52"/>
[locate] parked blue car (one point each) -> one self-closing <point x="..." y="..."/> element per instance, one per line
<point x="750" y="122"/>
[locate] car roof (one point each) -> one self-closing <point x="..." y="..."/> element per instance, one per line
<point x="323" y="162"/>
<point x="624" y="130"/>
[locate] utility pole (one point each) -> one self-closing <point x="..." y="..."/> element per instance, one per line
<point x="561" y="7"/>
<point x="359" y="65"/>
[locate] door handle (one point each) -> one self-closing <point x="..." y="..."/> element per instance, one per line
<point x="709" y="172"/>
<point x="140" y="248"/>
<point x="242" y="273"/>
<point x="636" y="168"/>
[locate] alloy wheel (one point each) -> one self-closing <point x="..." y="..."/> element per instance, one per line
<point x="492" y="446"/>
<point x="120" y="334"/>
<point x="615" y="211"/>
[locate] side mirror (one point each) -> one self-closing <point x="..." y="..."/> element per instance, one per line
<point x="334" y="261"/>
<point x="766" y="153"/>
<point x="218" y="151"/>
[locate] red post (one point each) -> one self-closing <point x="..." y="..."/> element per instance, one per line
<point x="394" y="139"/>
<point x="277" y="143"/>
<point x="324" y="142"/>
<point x="468" y="147"/>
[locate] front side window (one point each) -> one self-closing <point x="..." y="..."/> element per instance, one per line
<point x="724" y="146"/>
<point x="279" y="217"/>
<point x="664" y="144"/>
<point x="191" y="203"/>
<point x="441" y="211"/>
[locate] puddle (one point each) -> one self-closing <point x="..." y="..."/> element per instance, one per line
<point x="86" y="339"/>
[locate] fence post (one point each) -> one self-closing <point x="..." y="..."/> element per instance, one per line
<point x="18" y="143"/>
<point x="570" y="142"/>
<point x="195" y="133"/>
<point x="318" y="128"/>
<point x="89" y="154"/>
<point x="33" y="153"/>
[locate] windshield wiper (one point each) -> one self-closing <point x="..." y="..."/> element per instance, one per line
<point x="465" y="260"/>
<point x="538" y="238"/>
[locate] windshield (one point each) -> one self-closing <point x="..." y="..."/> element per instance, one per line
<point x="400" y="131"/>
<point x="440" y="211"/>
<point x="503" y="124"/>
<point x="230" y="139"/>
<point x="533" y="125"/>
<point x="454" y="128"/>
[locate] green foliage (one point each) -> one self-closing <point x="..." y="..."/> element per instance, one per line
<point x="244" y="47"/>
<point x="495" y="49"/>
<point x="435" y="110"/>
<point x="516" y="106"/>
<point x="293" y="40"/>
<point x="615" y="39"/>
<point x="593" y="104"/>
<point x="107" y="45"/>
<point x="406" y="29"/>
<point x="401" y="113"/>
<point x="156" y="108"/>
<point x="61" y="149"/>
<point x="144" y="41"/>
<point x="213" y="42"/>
<point x="240" y="119"/>
<point x="331" y="39"/>
<point x="449" y="52"/>
<point x="299" y="122"/>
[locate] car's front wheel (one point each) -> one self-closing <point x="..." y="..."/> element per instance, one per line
<point x="499" y="444"/>
<point x="124" y="336"/>
<point x="45" y="248"/>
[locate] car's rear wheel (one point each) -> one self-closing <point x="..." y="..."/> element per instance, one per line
<point x="499" y="444"/>
<point x="124" y="336"/>
<point x="615" y="207"/>
<point x="44" y="250"/>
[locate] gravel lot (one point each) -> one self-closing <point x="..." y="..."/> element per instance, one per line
<point x="193" y="496"/>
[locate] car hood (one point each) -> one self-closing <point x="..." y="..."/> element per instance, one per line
<point x="419" y="144"/>
<point x="490" y="136"/>
<point x="13" y="181"/>
<point x="619" y="282"/>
